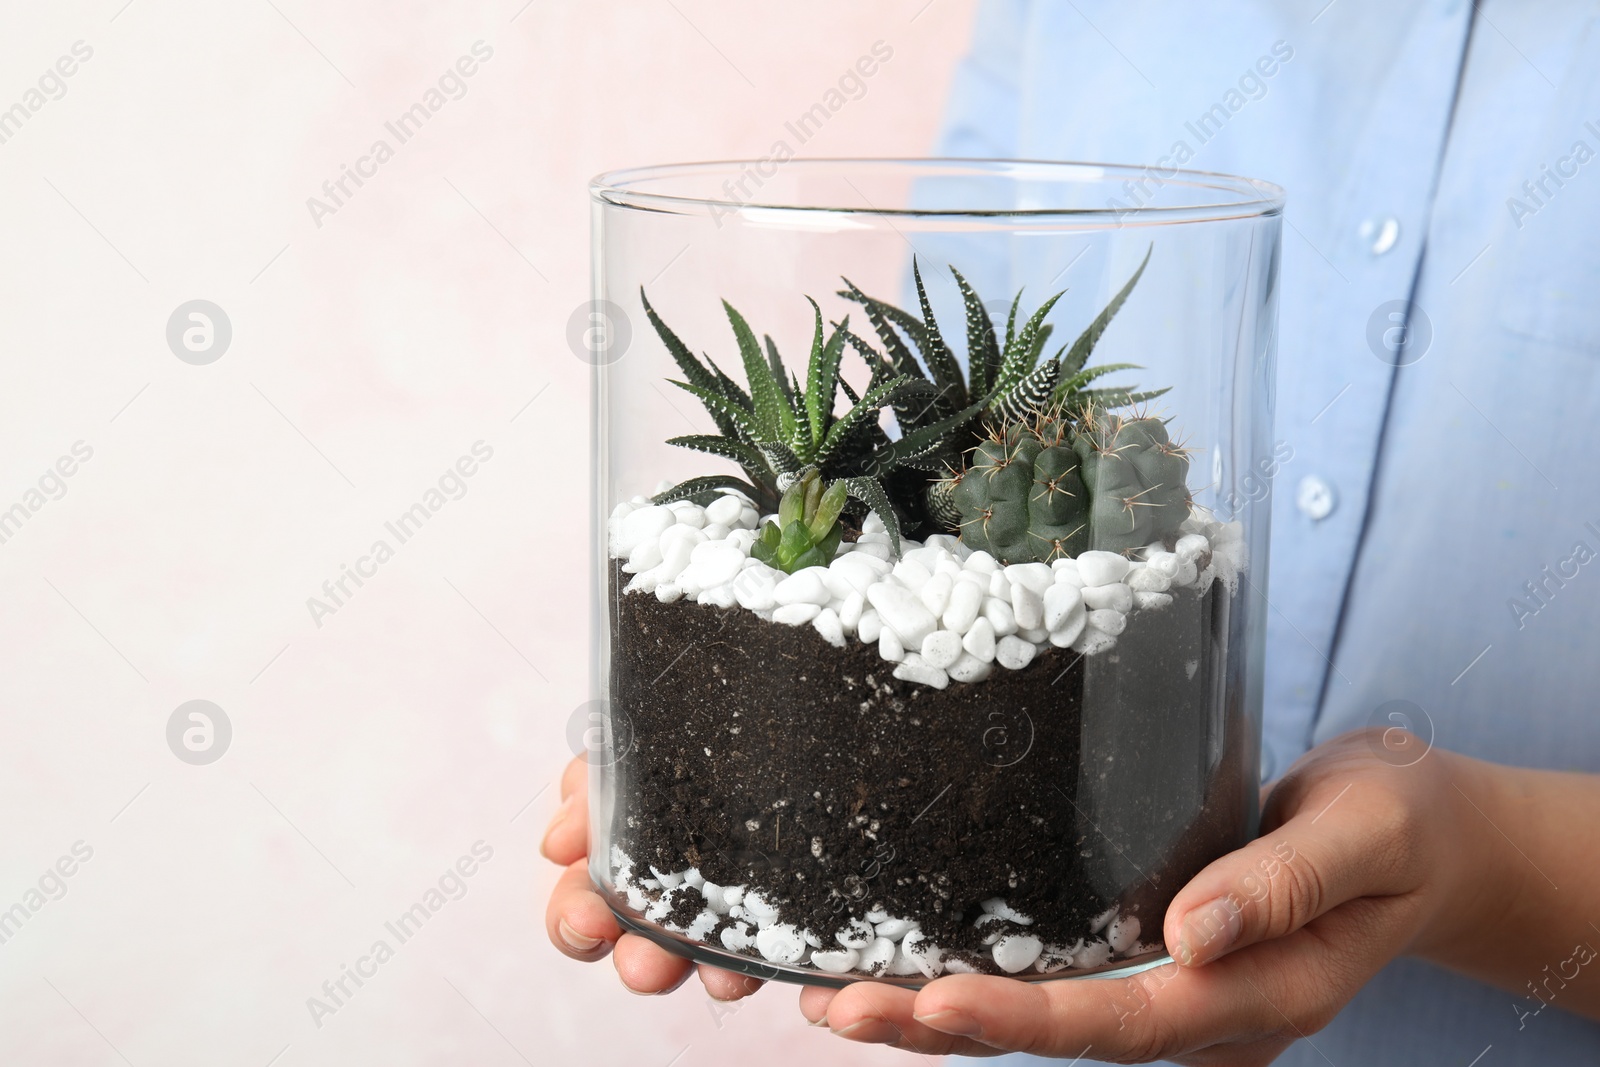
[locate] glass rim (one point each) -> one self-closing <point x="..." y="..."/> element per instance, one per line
<point x="1235" y="197"/>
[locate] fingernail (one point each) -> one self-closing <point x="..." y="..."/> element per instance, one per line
<point x="950" y="1021"/>
<point x="575" y="941"/>
<point x="872" y="1031"/>
<point x="1208" y="931"/>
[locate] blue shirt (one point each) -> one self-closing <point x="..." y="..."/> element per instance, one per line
<point x="1436" y="533"/>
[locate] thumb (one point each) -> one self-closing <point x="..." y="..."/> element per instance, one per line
<point x="1273" y="886"/>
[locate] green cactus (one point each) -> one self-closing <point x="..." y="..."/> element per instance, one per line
<point x="807" y="532"/>
<point x="1020" y="497"/>
<point x="1136" y="477"/>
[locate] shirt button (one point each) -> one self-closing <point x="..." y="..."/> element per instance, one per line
<point x="1315" y="498"/>
<point x="1380" y="234"/>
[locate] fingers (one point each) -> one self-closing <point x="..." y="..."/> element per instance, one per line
<point x="727" y="985"/>
<point x="873" y="1013"/>
<point x="648" y="969"/>
<point x="577" y="919"/>
<point x="1330" y="848"/>
<point x="566" y="840"/>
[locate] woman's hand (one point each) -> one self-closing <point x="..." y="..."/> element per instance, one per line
<point x="1359" y="861"/>
<point x="582" y="926"/>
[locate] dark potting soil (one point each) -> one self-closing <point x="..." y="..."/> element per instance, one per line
<point x="766" y="757"/>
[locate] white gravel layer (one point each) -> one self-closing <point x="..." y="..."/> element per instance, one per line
<point x="872" y="943"/>
<point x="941" y="611"/>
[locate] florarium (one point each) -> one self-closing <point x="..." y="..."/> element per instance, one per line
<point x="930" y="641"/>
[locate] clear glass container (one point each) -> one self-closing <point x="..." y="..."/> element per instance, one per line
<point x="1000" y="732"/>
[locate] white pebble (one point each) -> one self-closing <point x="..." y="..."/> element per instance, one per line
<point x="859" y="571"/>
<point x="998" y="907"/>
<point x="956" y="965"/>
<point x="733" y="894"/>
<point x="1036" y="576"/>
<point x="890" y="647"/>
<point x="1092" y="642"/>
<point x="911" y="574"/>
<point x="762" y="911"/>
<point x="981" y="562"/>
<point x="712" y="563"/>
<point x="1166" y="563"/>
<point x="936" y="593"/>
<point x="873" y="525"/>
<point x="902" y="612"/>
<point x="858" y="933"/>
<point x="780" y="943"/>
<point x="754" y="587"/>
<point x="645" y="554"/>
<point x="1027" y="606"/>
<point x="796" y="614"/>
<point x="876" y="957"/>
<point x="716" y="898"/>
<point x="969" y="668"/>
<point x="1070" y="628"/>
<point x="1187" y="574"/>
<point x="689" y="514"/>
<point x="979" y="640"/>
<point x="850" y="611"/>
<point x="903" y="965"/>
<point x="1101" y="921"/>
<point x="1000" y="586"/>
<point x="646" y="524"/>
<point x="1066" y="570"/>
<point x="1000" y="616"/>
<point x="916" y="669"/>
<point x="719" y="596"/>
<point x="870" y="627"/>
<point x="1148" y="579"/>
<point x="1124" y="932"/>
<point x="1061" y="603"/>
<point x="1014" y="653"/>
<point x="1037" y="634"/>
<point x="924" y="953"/>
<point x="1190" y="546"/>
<point x="1116" y="597"/>
<point x="738" y="938"/>
<point x="1016" y="952"/>
<point x="803" y="587"/>
<point x="941" y="648"/>
<point x="1094" y="954"/>
<point x="828" y="625"/>
<point x="703" y="924"/>
<point x="1151" y="601"/>
<point x="1108" y="621"/>
<point x="894" y="929"/>
<point x="873" y="549"/>
<point x="717" y="532"/>
<point x="670" y="880"/>
<point x="669" y="592"/>
<point x="966" y="599"/>
<point x="1101" y="568"/>
<point x="724" y="510"/>
<point x="877" y="914"/>
<point x="835" y="960"/>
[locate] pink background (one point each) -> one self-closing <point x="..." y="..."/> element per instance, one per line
<point x="428" y="313"/>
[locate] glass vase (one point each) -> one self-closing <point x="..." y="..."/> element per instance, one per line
<point x="931" y="552"/>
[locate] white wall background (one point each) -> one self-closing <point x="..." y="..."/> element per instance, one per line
<point x="368" y="354"/>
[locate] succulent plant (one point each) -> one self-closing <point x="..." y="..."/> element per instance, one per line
<point x="1136" y="477"/>
<point x="1020" y="497"/>
<point x="807" y="532"/>
<point x="1001" y="381"/>
<point x="778" y="429"/>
